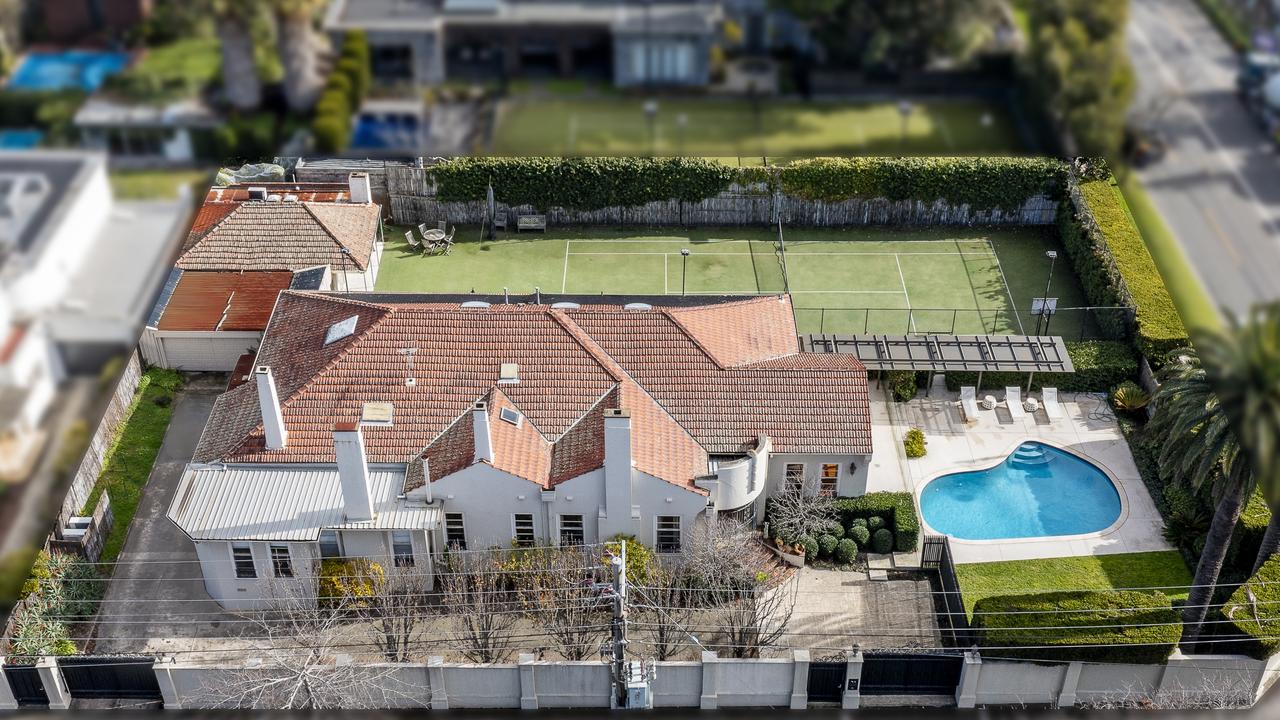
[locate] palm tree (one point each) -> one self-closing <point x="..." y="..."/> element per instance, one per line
<point x="1202" y="448"/>
<point x="1244" y="364"/>
<point x="297" y="43"/>
<point x="240" y="81"/>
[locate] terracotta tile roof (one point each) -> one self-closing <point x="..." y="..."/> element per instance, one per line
<point x="12" y="341"/>
<point x="260" y="235"/>
<point x="742" y="332"/>
<point x="205" y="300"/>
<point x="573" y="364"/>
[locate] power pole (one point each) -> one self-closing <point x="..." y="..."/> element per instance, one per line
<point x="619" y="564"/>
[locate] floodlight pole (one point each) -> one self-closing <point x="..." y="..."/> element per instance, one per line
<point x="684" y="269"/>
<point x="1044" y="305"/>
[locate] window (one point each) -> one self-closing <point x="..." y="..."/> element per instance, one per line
<point x="402" y="547"/>
<point x="523" y="529"/>
<point x="668" y="534"/>
<point x="795" y="476"/>
<point x="242" y="556"/>
<point x="281" y="563"/>
<point x="571" y="530"/>
<point x="510" y="416"/>
<point x="329" y="545"/>
<point x="830" y="479"/>
<point x="455" y="533"/>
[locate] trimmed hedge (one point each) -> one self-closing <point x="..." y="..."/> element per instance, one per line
<point x="898" y="508"/>
<point x="1115" y="267"/>
<point x="1009" y="621"/>
<point x="1248" y="533"/>
<point x="1259" y="619"/>
<point x="1100" y="365"/>
<point x="343" y="91"/>
<point x="980" y="182"/>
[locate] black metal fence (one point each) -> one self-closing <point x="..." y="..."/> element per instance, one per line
<point x="953" y="621"/>
<point x="24" y="682"/>
<point x="110" y="677"/>
<point x="910" y="674"/>
<point x="1072" y="323"/>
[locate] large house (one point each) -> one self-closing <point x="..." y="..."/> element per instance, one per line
<point x="394" y="427"/>
<point x="247" y="243"/>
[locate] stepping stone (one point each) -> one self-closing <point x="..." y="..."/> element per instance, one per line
<point x="877" y="575"/>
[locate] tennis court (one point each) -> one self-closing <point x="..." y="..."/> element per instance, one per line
<point x="954" y="280"/>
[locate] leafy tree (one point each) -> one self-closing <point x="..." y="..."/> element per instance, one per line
<point x="240" y="81"/>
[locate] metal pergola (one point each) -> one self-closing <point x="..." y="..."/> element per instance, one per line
<point x="939" y="353"/>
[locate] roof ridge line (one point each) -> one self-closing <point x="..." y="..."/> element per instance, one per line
<point x="572" y="329"/>
<point x="694" y="338"/>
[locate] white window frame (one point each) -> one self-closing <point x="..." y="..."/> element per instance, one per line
<point x="787" y="485"/>
<point x="235" y="563"/>
<point x="657" y="529"/>
<point x="401" y="560"/>
<point x="822" y="479"/>
<point x="515" y="529"/>
<point x="582" y="529"/>
<point x="288" y="561"/>
<point x="462" y="525"/>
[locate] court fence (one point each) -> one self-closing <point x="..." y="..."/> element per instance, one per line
<point x="1073" y="323"/>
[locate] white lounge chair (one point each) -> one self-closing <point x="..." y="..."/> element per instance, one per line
<point x="1013" y="401"/>
<point x="969" y="403"/>
<point x="1052" y="408"/>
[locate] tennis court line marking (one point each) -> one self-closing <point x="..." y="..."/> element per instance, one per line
<point x="905" y="294"/>
<point x="564" y="280"/>
<point x="1009" y="292"/>
<point x="666" y="274"/>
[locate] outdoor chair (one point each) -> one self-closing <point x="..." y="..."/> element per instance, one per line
<point x="969" y="403"/>
<point x="1013" y="401"/>
<point x="422" y="229"/>
<point x="413" y="242"/>
<point x="447" y="243"/>
<point x="1052" y="408"/>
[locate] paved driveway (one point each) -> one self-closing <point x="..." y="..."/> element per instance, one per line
<point x="156" y="602"/>
<point x="836" y="609"/>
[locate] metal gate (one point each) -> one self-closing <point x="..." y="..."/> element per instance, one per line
<point x="826" y="681"/>
<point x="25" y="682"/>
<point x="111" y="678"/>
<point x="901" y="674"/>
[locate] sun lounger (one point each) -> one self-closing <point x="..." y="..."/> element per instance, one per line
<point x="1052" y="407"/>
<point x="1013" y="401"/>
<point x="969" y="403"/>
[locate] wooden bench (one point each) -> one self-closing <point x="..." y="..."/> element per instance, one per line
<point x="531" y="222"/>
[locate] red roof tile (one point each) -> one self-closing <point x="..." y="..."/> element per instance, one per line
<point x="283" y="236"/>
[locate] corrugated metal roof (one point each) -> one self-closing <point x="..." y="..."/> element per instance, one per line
<point x="204" y="300"/>
<point x="286" y="502"/>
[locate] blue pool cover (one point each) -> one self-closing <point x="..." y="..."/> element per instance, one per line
<point x="68" y="69"/>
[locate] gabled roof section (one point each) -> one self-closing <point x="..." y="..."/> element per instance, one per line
<point x="207" y="300"/>
<point x="744" y="332"/>
<point x="276" y="235"/>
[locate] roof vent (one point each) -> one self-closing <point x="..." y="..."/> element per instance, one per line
<point x="290" y="197"/>
<point x="510" y="415"/>
<point x="376" y="413"/>
<point x="257" y="193"/>
<point x="566" y="305"/>
<point x="341" y="329"/>
<point x="410" y="382"/>
<point x="637" y="306"/>
<point x="475" y="304"/>
<point x="509" y="373"/>
<point x="274" y="197"/>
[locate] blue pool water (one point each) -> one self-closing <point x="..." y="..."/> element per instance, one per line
<point x="19" y="139"/>
<point x="1038" y="491"/>
<point x="385" y="131"/>
<point x="68" y="69"/>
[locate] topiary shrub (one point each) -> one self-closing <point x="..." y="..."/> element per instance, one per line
<point x="835" y="530"/>
<point x="857" y="522"/>
<point x="860" y="535"/>
<point x="810" y="546"/>
<point x="913" y="443"/>
<point x="875" y="522"/>
<point x="897" y="508"/>
<point x="826" y="545"/>
<point x="846" y="551"/>
<point x="348" y="583"/>
<point x="882" y="541"/>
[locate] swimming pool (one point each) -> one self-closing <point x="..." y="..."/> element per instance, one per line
<point x="79" y="69"/>
<point x="1038" y="491"/>
<point x="384" y="131"/>
<point x="19" y="139"/>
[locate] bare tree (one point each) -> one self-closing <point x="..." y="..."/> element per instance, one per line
<point x="801" y="510"/>
<point x="399" y="613"/>
<point x="475" y="593"/>
<point x="302" y="662"/>
<point x="562" y="593"/>
<point x="666" y="606"/>
<point x="757" y="618"/>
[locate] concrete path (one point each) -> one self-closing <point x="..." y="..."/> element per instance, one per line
<point x="836" y="609"/>
<point x="1219" y="186"/>
<point x="156" y="601"/>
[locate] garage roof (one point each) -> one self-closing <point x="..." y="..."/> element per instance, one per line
<point x="205" y="300"/>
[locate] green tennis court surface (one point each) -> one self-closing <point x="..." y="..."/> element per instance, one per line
<point x="842" y="281"/>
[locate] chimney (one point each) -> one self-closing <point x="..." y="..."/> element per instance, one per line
<point x="480" y="428"/>
<point x="358" y="183"/>
<point x="617" y="470"/>
<point x="353" y="472"/>
<point x="272" y="419"/>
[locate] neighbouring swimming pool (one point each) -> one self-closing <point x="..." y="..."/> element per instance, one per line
<point x="386" y="131"/>
<point x="19" y="139"/>
<point x="80" y="69"/>
<point x="1038" y="491"/>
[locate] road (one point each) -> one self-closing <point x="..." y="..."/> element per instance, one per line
<point x="1219" y="186"/>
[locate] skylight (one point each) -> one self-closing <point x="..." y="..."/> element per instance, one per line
<point x="510" y="416"/>
<point x="341" y="329"/>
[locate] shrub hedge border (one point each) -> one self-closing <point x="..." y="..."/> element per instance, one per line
<point x="897" y="508"/>
<point x="1263" y="629"/>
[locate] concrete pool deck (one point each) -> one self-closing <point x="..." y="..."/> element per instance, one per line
<point x="1089" y="430"/>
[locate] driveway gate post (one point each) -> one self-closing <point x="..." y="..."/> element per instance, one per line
<point x="710" y="698"/>
<point x="435" y="679"/>
<point x="852" y="699"/>
<point x="967" y="690"/>
<point x="7" y="700"/>
<point x="799" y="679"/>
<point x="528" y="691"/>
<point x="54" y="686"/>
<point x="163" y="669"/>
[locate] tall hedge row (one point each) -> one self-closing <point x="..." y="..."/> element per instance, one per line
<point x="1100" y="365"/>
<point x="1254" y="611"/>
<point x="1115" y="267"/>
<point x="343" y="92"/>
<point x="1098" y="626"/>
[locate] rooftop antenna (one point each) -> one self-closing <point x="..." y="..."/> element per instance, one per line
<point x="408" y="354"/>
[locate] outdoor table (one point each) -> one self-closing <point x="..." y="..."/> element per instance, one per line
<point x="433" y="235"/>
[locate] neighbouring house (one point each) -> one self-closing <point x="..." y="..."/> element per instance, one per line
<point x="630" y="42"/>
<point x="394" y="427"/>
<point x="72" y="20"/>
<point x="146" y="133"/>
<point x="247" y="243"/>
<point x="77" y="272"/>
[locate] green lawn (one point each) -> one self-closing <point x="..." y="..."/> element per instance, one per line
<point x="197" y="60"/>
<point x="730" y="128"/>
<point x="157" y="184"/>
<point x="964" y="280"/>
<point x="1091" y="572"/>
<point x="129" y="461"/>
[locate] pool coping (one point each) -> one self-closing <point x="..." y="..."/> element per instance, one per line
<point x="975" y="466"/>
